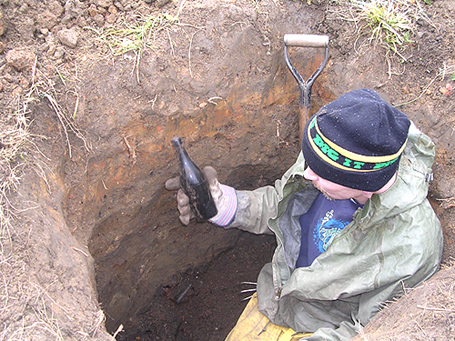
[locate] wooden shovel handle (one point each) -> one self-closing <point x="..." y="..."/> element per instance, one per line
<point x="306" y="40"/>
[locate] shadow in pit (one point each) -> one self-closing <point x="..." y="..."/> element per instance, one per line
<point x="165" y="281"/>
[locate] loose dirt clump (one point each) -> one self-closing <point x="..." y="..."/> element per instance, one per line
<point x="92" y="91"/>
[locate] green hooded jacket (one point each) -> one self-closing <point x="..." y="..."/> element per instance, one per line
<point x="393" y="243"/>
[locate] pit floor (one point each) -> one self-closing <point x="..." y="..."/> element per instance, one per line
<point x="209" y="298"/>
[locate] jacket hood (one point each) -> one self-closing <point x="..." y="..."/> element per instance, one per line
<point x="411" y="186"/>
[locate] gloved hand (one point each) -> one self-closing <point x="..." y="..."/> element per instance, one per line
<point x="224" y="196"/>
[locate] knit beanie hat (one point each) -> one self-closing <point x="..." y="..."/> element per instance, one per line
<point x="356" y="141"/>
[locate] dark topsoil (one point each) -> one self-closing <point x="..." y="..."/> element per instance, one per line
<point x="88" y="169"/>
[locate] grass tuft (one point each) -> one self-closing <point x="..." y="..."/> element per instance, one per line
<point x="135" y="37"/>
<point x="388" y="22"/>
<point x="391" y="23"/>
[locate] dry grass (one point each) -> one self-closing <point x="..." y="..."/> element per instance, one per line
<point x="14" y="136"/>
<point x="43" y="88"/>
<point x="27" y="310"/>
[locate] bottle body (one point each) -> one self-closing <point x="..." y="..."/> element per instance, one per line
<point x="194" y="184"/>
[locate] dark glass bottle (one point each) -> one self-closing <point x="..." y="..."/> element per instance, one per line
<point x="194" y="184"/>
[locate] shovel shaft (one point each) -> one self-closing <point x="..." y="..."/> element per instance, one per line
<point x="304" y="116"/>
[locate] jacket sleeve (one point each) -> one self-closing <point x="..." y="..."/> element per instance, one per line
<point x="254" y="210"/>
<point x="256" y="207"/>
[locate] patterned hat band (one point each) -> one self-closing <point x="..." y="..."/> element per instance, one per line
<point x="343" y="159"/>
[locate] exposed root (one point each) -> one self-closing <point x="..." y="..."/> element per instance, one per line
<point x="447" y="203"/>
<point x="44" y="89"/>
<point x="131" y="149"/>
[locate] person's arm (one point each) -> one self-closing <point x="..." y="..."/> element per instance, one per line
<point x="253" y="209"/>
<point x="256" y="207"/>
<point x="246" y="210"/>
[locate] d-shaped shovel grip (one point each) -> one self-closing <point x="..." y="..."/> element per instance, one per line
<point x="305" y="40"/>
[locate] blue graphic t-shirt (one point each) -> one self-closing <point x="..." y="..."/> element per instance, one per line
<point x="321" y="224"/>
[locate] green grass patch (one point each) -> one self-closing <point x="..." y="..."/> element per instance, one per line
<point x="390" y="23"/>
<point x="136" y="36"/>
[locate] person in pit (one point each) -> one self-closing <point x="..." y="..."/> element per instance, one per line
<point x="352" y="221"/>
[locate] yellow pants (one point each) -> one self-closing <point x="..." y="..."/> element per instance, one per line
<point x="253" y="325"/>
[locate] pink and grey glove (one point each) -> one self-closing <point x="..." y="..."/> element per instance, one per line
<point x="224" y="196"/>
